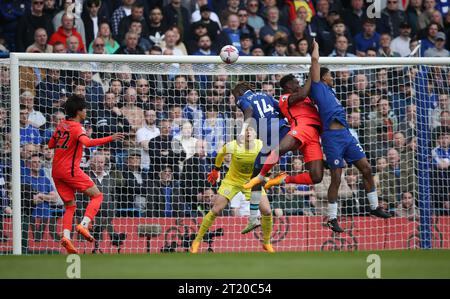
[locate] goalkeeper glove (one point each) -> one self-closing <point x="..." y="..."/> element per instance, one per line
<point x="214" y="175"/>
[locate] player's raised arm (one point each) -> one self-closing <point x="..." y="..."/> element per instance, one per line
<point x="315" y="65"/>
<point x="86" y="141"/>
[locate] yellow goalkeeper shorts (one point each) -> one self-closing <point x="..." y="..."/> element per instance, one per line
<point x="229" y="191"/>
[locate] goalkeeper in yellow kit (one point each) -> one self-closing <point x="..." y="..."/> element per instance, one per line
<point x="244" y="153"/>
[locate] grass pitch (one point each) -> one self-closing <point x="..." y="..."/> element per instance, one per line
<point x="394" y="264"/>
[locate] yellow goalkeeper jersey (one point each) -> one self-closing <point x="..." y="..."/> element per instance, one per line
<point x="242" y="162"/>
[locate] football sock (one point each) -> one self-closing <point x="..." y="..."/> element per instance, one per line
<point x="68" y="220"/>
<point x="373" y="199"/>
<point x="92" y="209"/>
<point x="266" y="226"/>
<point x="332" y="210"/>
<point x="254" y="206"/>
<point x="272" y="159"/>
<point x="207" y="221"/>
<point x="301" y="179"/>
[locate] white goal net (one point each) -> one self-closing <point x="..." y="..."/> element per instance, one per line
<point x="176" y="116"/>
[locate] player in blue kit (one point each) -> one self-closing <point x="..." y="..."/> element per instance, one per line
<point x="337" y="141"/>
<point x="262" y="112"/>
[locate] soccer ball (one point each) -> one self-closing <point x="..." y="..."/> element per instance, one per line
<point x="229" y="54"/>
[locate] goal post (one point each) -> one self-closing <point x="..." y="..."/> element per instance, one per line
<point x="194" y="67"/>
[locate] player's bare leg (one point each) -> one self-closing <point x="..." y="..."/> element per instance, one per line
<point x="369" y="185"/>
<point x="333" y="190"/>
<point x="313" y="176"/>
<point x="220" y="203"/>
<point x="288" y="143"/>
<point x="66" y="241"/>
<point x="91" y="210"/>
<point x="266" y="223"/>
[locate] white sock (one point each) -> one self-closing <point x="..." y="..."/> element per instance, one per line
<point x="66" y="234"/>
<point x="85" y="222"/>
<point x="373" y="199"/>
<point x="332" y="210"/>
<point x="255" y="199"/>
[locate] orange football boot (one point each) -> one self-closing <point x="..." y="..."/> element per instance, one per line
<point x="84" y="232"/>
<point x="68" y="245"/>
<point x="275" y="181"/>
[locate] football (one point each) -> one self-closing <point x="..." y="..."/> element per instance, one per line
<point x="229" y="54"/>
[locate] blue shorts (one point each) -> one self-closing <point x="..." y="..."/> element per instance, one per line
<point x="265" y="151"/>
<point x="340" y="145"/>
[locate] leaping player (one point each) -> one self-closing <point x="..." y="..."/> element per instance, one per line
<point x="304" y="136"/>
<point x="337" y="141"/>
<point x="68" y="141"/>
<point x="262" y="113"/>
<point x="243" y="155"/>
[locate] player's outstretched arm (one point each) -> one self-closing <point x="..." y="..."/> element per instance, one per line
<point x="214" y="175"/>
<point x="315" y="65"/>
<point x="248" y="117"/>
<point x="86" y="141"/>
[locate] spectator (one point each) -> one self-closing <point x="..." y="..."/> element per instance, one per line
<point x="394" y="178"/>
<point x="368" y="38"/>
<point x="407" y="207"/>
<point x="232" y="8"/>
<point x="429" y="41"/>
<point x="443" y="104"/>
<point x="144" y="135"/>
<point x="159" y="105"/>
<point x="354" y="123"/>
<point x="204" y="48"/>
<point x="267" y="33"/>
<point x="424" y="19"/>
<point x="170" y="43"/>
<point x="78" y="24"/>
<point x="156" y="25"/>
<point x="400" y="44"/>
<point x="338" y="29"/>
<point x="444" y="125"/>
<point x="40" y="42"/>
<point x="92" y="18"/>
<point x="55" y="119"/>
<point x="66" y="30"/>
<point x="413" y="12"/>
<point x="98" y="46"/>
<point x="213" y="130"/>
<point x="137" y="15"/>
<point x="385" y="45"/>
<point x="144" y="43"/>
<point x="299" y="33"/>
<point x="177" y="15"/>
<point x="302" y="48"/>
<point x="341" y="47"/>
<point x="131" y="111"/>
<point x="119" y="14"/>
<point x="244" y="27"/>
<point x="408" y="126"/>
<point x="246" y="45"/>
<point x="104" y="32"/>
<point x="232" y="32"/>
<point x="280" y="47"/>
<point x="185" y="139"/>
<point x="196" y="15"/>
<point x="29" y="23"/>
<point x="254" y="19"/>
<point x="34" y="176"/>
<point x="73" y="45"/>
<point x="441" y="172"/>
<point x="326" y="32"/>
<point x="107" y="185"/>
<point x="292" y="202"/>
<point x="354" y="16"/>
<point x="51" y="92"/>
<point x="28" y="133"/>
<point x="35" y="118"/>
<point x="358" y="204"/>
<point x="257" y="51"/>
<point x="59" y="48"/>
<point x="382" y="125"/>
<point x="134" y="189"/>
<point x="352" y="102"/>
<point x="165" y="198"/>
<point x="212" y="27"/>
<point x="193" y="112"/>
<point x="131" y="45"/>
<point x="391" y="18"/>
<point x="319" y="20"/>
<point x="160" y="150"/>
<point x="439" y="47"/>
<point x="94" y="89"/>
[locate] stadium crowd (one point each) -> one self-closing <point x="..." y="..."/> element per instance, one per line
<point x="175" y="124"/>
